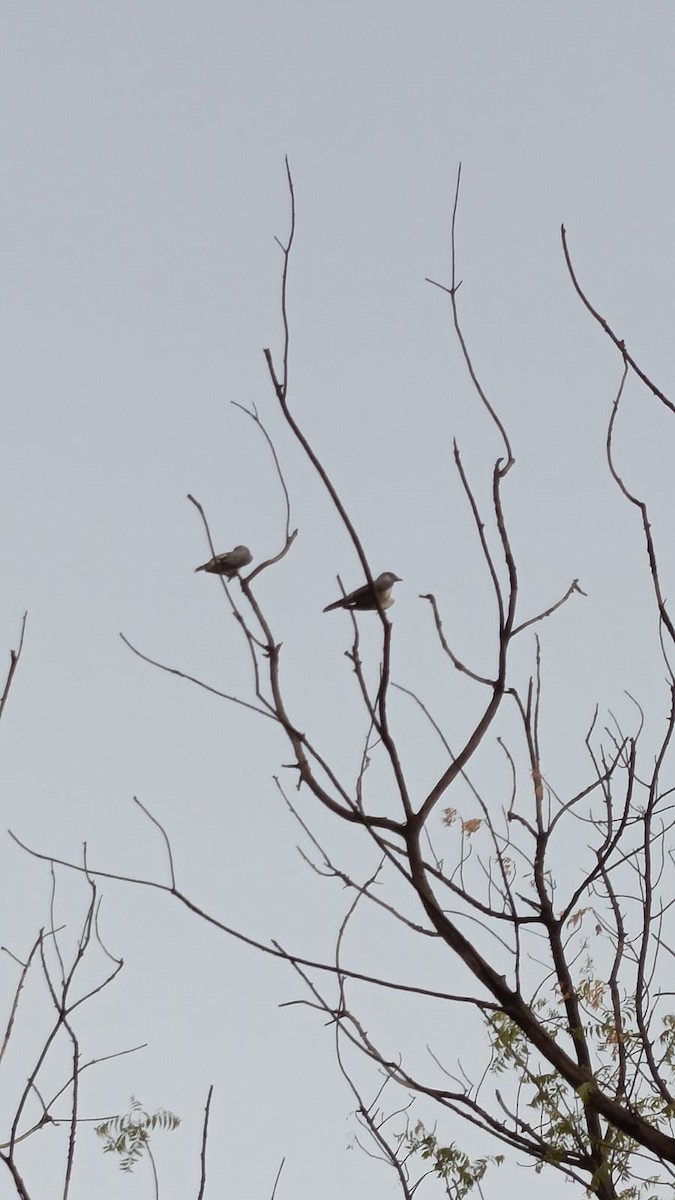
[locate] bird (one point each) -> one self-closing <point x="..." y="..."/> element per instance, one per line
<point x="377" y="595"/>
<point x="227" y="564"/>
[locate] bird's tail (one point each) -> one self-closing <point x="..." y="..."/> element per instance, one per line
<point x="335" y="604"/>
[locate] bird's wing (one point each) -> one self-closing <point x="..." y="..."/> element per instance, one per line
<point x="359" y="594"/>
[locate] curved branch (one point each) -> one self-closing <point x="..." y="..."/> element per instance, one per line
<point x="618" y="342"/>
<point x="574" y="587"/>
<point x="153" y="662"/>
<point x="289" y="537"/>
<point x="459" y="666"/>
<point x="642" y="509"/>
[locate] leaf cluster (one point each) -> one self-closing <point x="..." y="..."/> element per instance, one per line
<point x="128" y="1134"/>
<point x="449" y="1163"/>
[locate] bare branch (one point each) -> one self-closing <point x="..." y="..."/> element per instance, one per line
<point x="261" y="712"/>
<point x="14" y="656"/>
<point x="278" y="1176"/>
<point x="452" y="293"/>
<point x="574" y="587"/>
<point x="205" y="1132"/>
<point x="289" y="537"/>
<point x="618" y="342"/>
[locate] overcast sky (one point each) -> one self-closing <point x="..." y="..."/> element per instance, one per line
<point x="141" y="188"/>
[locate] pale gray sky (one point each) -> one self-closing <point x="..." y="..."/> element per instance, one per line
<point x="141" y="187"/>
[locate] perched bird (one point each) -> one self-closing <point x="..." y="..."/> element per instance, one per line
<point x="367" y="597"/>
<point x="228" y="564"/>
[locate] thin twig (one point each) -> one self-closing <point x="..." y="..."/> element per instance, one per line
<point x="618" y="342"/>
<point x="289" y="537"/>
<point x="574" y="587"/>
<point x="14" y="656"/>
<point x="276" y="1181"/>
<point x="452" y="293"/>
<point x="153" y="662"/>
<point x="205" y="1132"/>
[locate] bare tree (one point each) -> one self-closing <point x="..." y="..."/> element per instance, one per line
<point x="567" y="960"/>
<point x="42" y="1097"/>
<point x="37" y="1093"/>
